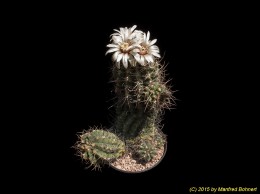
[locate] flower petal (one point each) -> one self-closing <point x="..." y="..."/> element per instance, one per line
<point x="117" y="30"/>
<point x="119" y="57"/>
<point x="117" y="39"/>
<point x="126" y="34"/>
<point x="111" y="50"/>
<point x="148" y="58"/>
<point x="153" y="51"/>
<point x="121" y="30"/>
<point x="125" y="62"/>
<point x="154" y="47"/>
<point x="132" y="29"/>
<point x="148" y="36"/>
<point x="142" y="60"/>
<point x="114" y="57"/>
<point x="156" y="54"/>
<point x="152" y="42"/>
<point x="144" y="37"/>
<point x="151" y="59"/>
<point x="137" y="57"/>
<point x="113" y="45"/>
<point x="115" y="34"/>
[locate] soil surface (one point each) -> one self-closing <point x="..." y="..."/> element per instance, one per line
<point x="128" y="164"/>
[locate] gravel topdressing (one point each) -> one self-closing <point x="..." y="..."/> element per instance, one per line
<point x="128" y="164"/>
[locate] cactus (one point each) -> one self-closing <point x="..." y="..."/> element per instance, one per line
<point x="97" y="146"/>
<point x="142" y="94"/>
<point x="147" y="144"/>
<point x="146" y="150"/>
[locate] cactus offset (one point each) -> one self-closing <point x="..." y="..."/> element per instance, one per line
<point x="99" y="145"/>
<point x="146" y="150"/>
<point x="147" y="144"/>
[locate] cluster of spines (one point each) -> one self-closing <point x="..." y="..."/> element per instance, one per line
<point x="97" y="146"/>
<point x="142" y="86"/>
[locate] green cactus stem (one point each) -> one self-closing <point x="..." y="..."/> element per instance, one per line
<point x="97" y="146"/>
<point x="142" y="95"/>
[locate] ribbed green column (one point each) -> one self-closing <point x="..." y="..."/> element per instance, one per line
<point x="141" y="97"/>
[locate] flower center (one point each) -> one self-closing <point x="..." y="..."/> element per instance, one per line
<point x="143" y="50"/>
<point x="124" y="47"/>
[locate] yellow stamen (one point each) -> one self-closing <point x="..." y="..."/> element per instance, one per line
<point x="124" y="47"/>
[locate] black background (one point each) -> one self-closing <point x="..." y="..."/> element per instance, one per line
<point x="211" y="131"/>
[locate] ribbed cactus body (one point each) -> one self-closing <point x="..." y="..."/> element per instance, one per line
<point x="146" y="150"/>
<point x="148" y="143"/>
<point x="142" y="94"/>
<point x="141" y="85"/>
<point x="98" y="145"/>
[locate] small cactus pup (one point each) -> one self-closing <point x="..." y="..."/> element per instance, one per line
<point x="97" y="146"/>
<point x="135" y="142"/>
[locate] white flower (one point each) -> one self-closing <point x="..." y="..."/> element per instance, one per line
<point x="123" y="42"/>
<point x="146" y="51"/>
